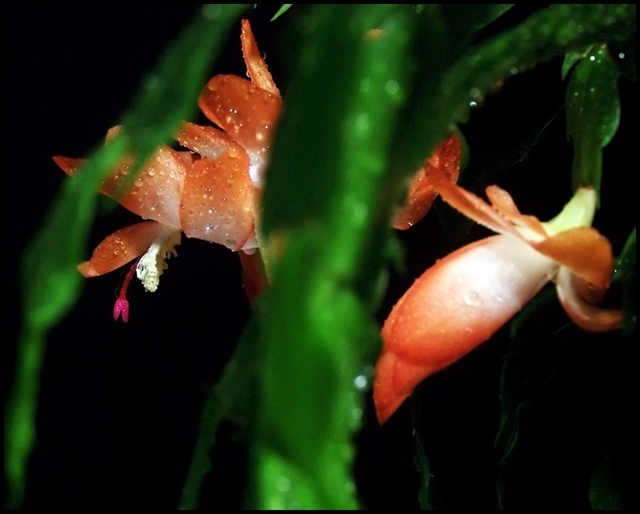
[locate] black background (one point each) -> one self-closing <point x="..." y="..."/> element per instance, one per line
<point x="119" y="404"/>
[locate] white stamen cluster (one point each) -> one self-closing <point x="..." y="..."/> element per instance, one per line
<point x="153" y="263"/>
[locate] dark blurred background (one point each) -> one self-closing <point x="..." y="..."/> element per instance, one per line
<point x="119" y="404"/>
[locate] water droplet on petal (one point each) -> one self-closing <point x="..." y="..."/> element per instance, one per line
<point x="472" y="299"/>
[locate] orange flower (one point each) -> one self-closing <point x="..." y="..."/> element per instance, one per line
<point x="420" y="193"/>
<point x="210" y="192"/>
<point x="467" y="296"/>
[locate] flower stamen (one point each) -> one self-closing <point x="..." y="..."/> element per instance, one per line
<point x="152" y="264"/>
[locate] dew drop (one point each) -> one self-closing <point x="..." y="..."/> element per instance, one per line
<point x="472" y="299"/>
<point x="261" y="135"/>
<point x="360" y="382"/>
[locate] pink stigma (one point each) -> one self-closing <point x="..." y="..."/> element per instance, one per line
<point x="121" y="307"/>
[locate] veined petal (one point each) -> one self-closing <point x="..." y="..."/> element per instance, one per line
<point x="243" y="110"/>
<point x="456" y="305"/>
<point x="420" y="193"/>
<point x="583" y="314"/>
<point x="256" y="67"/>
<point x="121" y="247"/>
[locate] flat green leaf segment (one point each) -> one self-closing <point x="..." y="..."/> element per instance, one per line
<point x="593" y="114"/>
<point x="317" y="335"/>
<point x="51" y="280"/>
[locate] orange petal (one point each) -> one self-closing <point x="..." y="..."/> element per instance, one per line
<point x="583" y="314"/>
<point x="468" y="204"/>
<point x="155" y="192"/>
<point x="504" y="204"/>
<point x="254" y="278"/>
<point x="209" y="142"/>
<point x="121" y="247"/>
<point x="157" y="189"/>
<point x="218" y="199"/>
<point x="584" y="251"/>
<point x="456" y="305"/>
<point x="421" y="194"/>
<point x="394" y="381"/>
<point x="68" y="164"/>
<point x="256" y="67"/>
<point x="243" y="110"/>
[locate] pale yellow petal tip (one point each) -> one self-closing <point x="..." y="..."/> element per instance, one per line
<point x="579" y="212"/>
<point x="87" y="270"/>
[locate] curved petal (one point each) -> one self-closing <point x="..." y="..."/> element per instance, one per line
<point x="394" y="381"/>
<point x="243" y="110"/>
<point x="155" y="192"/>
<point x="469" y="204"/>
<point x="456" y="305"/>
<point x="218" y="201"/>
<point x="121" y="247"/>
<point x="420" y="193"/>
<point x="504" y="204"/>
<point x="68" y="164"/>
<point x="584" y="251"/>
<point x="209" y="142"/>
<point x="256" y="67"/>
<point x="157" y="189"/>
<point x="583" y="314"/>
